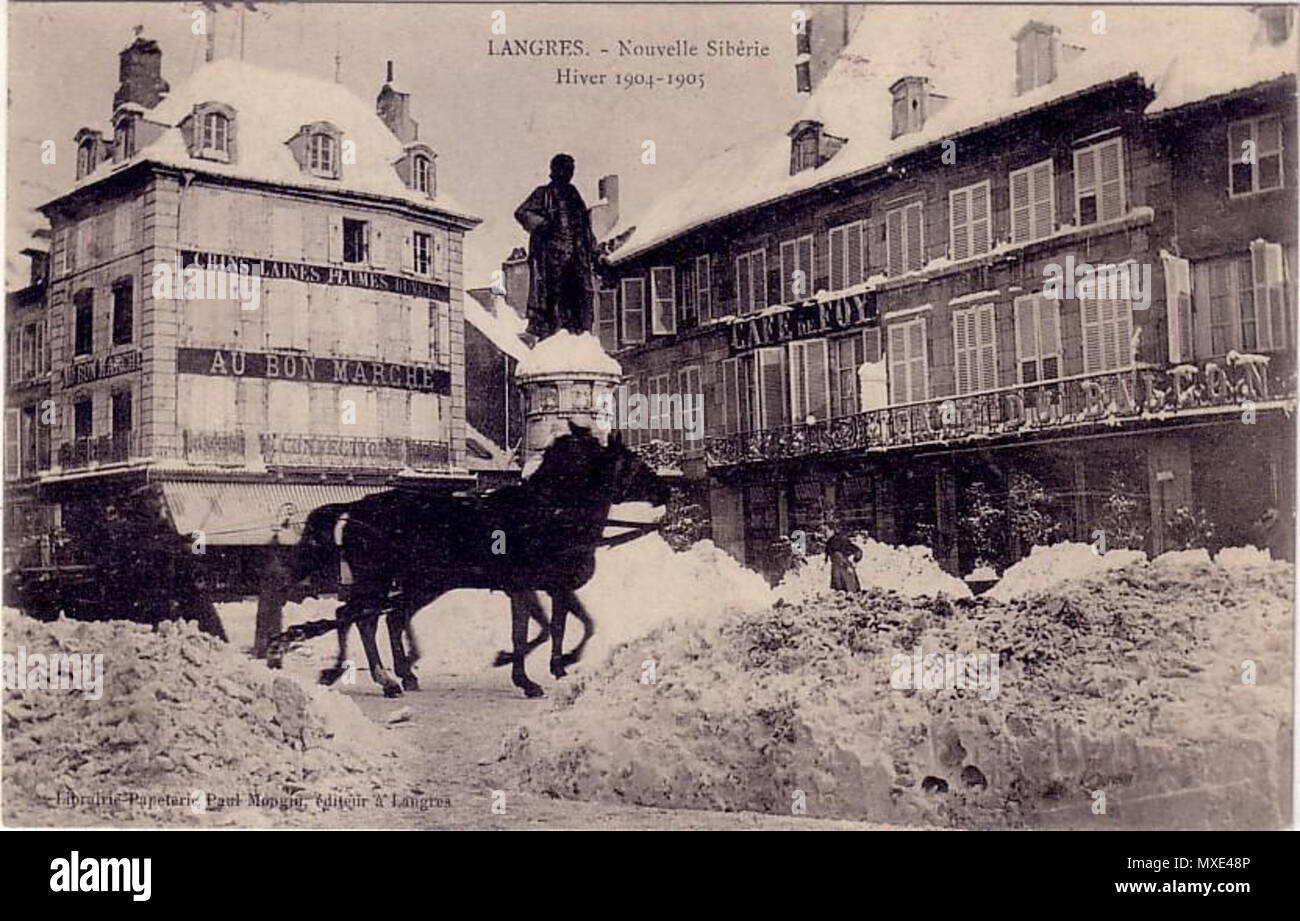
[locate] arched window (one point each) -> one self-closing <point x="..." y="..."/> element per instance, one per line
<point x="216" y="133"/>
<point x="422" y="175"/>
<point x="322" y="157"/>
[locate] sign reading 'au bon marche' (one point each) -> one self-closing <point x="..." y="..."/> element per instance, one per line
<point x="295" y="366"/>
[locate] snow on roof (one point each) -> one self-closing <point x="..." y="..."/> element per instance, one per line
<point x="969" y="57"/>
<point x="502" y="330"/>
<point x="477" y="444"/>
<point x="270" y="108"/>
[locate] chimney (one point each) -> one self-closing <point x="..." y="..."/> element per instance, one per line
<point x="394" y="107"/>
<point x="604" y="214"/>
<point x="517" y="278"/>
<point x="1038" y="55"/>
<point x="139" y="75"/>
<point x="40" y="265"/>
<point x="1277" y="22"/>
<point x="911" y="102"/>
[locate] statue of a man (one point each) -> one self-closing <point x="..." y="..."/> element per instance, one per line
<point x="561" y="247"/>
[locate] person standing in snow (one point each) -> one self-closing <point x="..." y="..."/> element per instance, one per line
<point x="843" y="554"/>
<point x="561" y="247"/>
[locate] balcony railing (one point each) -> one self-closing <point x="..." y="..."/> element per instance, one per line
<point x="102" y="449"/>
<point x="306" y="450"/>
<point x="1108" y="398"/>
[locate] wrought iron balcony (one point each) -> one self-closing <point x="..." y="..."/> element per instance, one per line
<point x="102" y="449"/>
<point x="1237" y="383"/>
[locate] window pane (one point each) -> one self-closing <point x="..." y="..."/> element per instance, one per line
<point x="1270" y="171"/>
<point x="1241" y="173"/>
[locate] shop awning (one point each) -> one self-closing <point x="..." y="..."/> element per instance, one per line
<point x="250" y="513"/>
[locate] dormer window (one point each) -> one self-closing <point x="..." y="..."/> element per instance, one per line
<point x="211" y="132"/>
<point x="911" y="98"/>
<point x="216" y="134"/>
<point x="321" y="154"/>
<point x="422" y="174"/>
<point x="316" y="148"/>
<point x="86" y="157"/>
<point x="126" y="138"/>
<point x="811" y="146"/>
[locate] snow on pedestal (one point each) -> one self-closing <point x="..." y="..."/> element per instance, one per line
<point x="566" y="378"/>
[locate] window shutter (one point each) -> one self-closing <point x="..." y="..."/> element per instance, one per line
<point x="335" y="238"/>
<point x="607" y="319"/>
<point x="704" y="287"/>
<point x="378" y="245"/>
<point x="1049" y="333"/>
<point x="1270" y="295"/>
<point x="1178" y="307"/>
<point x="1111" y="204"/>
<point x="894" y="242"/>
<point x="789" y="263"/>
<point x="836" y="247"/>
<point x="663" y="310"/>
<point x="730" y="397"/>
<point x="61" y="253"/>
<point x="444" y="334"/>
<point x="633" y="310"/>
<point x="986" y="336"/>
<point x="408" y="250"/>
<point x="915" y="237"/>
<point x="898" y="367"/>
<point x="804" y="251"/>
<point x="959" y="218"/>
<point x="758" y="268"/>
<point x="961" y="350"/>
<point x="440" y="257"/>
<point x="1090" y="313"/>
<point x="1041" y="180"/>
<point x="918" y="371"/>
<point x="855" y="243"/>
<point x="772" y="387"/>
<point x="1026" y="337"/>
<point x="1085" y="180"/>
<point x="979" y="218"/>
<point x="1022" y="212"/>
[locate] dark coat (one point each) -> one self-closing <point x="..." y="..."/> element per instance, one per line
<point x="561" y="246"/>
<point x="843" y="553"/>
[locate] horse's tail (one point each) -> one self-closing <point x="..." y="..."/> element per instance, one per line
<point x="318" y="550"/>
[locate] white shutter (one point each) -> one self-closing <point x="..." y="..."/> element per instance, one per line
<point x="987" y="347"/>
<point x="772" y="387"/>
<point x="61" y="253"/>
<point x="894" y="242"/>
<point x="918" y="372"/>
<point x="408" y="250"/>
<point x="1178" y="307"/>
<point x="1269" y="294"/>
<point x="789" y="265"/>
<point x="836" y="249"/>
<point x="607" y="318"/>
<point x="809" y="382"/>
<point x="335" y="241"/>
<point x="961" y="345"/>
<point x="1043" y="199"/>
<point x="758" y="278"/>
<point x="1022" y="211"/>
<point x="379" y="244"/>
<point x="898" y="367"/>
<point x="1026" y="337"/>
<point x="1085" y="181"/>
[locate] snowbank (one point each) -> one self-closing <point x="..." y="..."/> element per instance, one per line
<point x="1048" y="566"/>
<point x="910" y="571"/>
<point x="565" y="352"/>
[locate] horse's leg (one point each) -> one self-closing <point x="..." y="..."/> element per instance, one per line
<point x="398" y="621"/>
<point x="342" y="616"/>
<point x="367" y="626"/>
<point x="575" y="607"/>
<point x="533" y="607"/>
<point x="519" y="616"/>
<point x="559" y="614"/>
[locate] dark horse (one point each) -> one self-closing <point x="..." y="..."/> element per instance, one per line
<point x="403" y="549"/>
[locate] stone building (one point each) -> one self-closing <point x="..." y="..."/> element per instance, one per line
<point x="879" y="319"/>
<point x="254" y="304"/>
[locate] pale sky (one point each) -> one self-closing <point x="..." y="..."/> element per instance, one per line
<point x="493" y="121"/>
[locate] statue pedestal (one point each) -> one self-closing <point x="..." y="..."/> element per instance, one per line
<point x="564" y="380"/>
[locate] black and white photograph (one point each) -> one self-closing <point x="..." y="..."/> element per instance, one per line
<point x="650" y="417"/>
